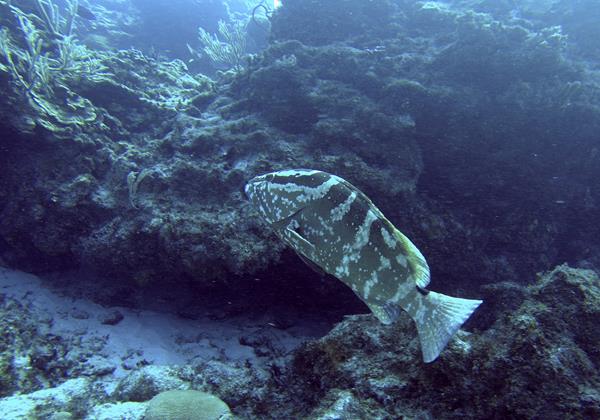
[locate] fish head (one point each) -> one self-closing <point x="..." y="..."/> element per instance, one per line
<point x="282" y="194"/>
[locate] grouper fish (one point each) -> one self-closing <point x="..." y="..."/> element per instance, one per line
<point x="336" y="227"/>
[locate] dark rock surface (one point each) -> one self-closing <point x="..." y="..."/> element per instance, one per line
<point x="539" y="360"/>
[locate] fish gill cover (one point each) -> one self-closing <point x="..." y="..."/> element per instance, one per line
<point x="129" y="128"/>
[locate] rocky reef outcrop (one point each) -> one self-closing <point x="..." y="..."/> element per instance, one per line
<point x="538" y="359"/>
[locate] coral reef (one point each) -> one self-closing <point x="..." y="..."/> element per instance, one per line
<point x="46" y="63"/>
<point x="471" y="124"/>
<point x="184" y="405"/>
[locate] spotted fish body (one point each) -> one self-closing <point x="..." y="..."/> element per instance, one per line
<point x="333" y="224"/>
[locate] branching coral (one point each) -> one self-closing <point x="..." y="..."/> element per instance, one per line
<point x="231" y="51"/>
<point x="44" y="62"/>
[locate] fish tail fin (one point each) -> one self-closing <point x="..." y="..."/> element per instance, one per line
<point x="438" y="317"/>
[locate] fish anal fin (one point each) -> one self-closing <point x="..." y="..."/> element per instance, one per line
<point x="386" y="313"/>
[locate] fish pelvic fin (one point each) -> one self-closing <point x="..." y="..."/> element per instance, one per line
<point x="438" y="318"/>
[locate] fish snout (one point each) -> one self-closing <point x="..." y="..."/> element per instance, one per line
<point x="247" y="191"/>
<point x="252" y="186"/>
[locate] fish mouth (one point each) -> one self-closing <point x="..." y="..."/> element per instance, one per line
<point x="256" y="188"/>
<point x="246" y="191"/>
<point x="251" y="187"/>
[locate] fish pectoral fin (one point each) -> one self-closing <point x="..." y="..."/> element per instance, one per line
<point x="290" y="235"/>
<point x="297" y="241"/>
<point x="283" y="223"/>
<point x="386" y="312"/>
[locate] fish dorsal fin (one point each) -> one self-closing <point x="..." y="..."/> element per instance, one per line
<point x="416" y="260"/>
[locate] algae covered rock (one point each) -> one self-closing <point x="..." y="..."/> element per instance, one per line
<point x="31" y="357"/>
<point x="187" y="405"/>
<point x="142" y="384"/>
<point x="236" y="384"/>
<point x="572" y="304"/>
<point x="71" y="398"/>
<point x="344" y="405"/>
<point x="122" y="410"/>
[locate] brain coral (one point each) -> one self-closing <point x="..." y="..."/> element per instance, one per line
<point x="187" y="405"/>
